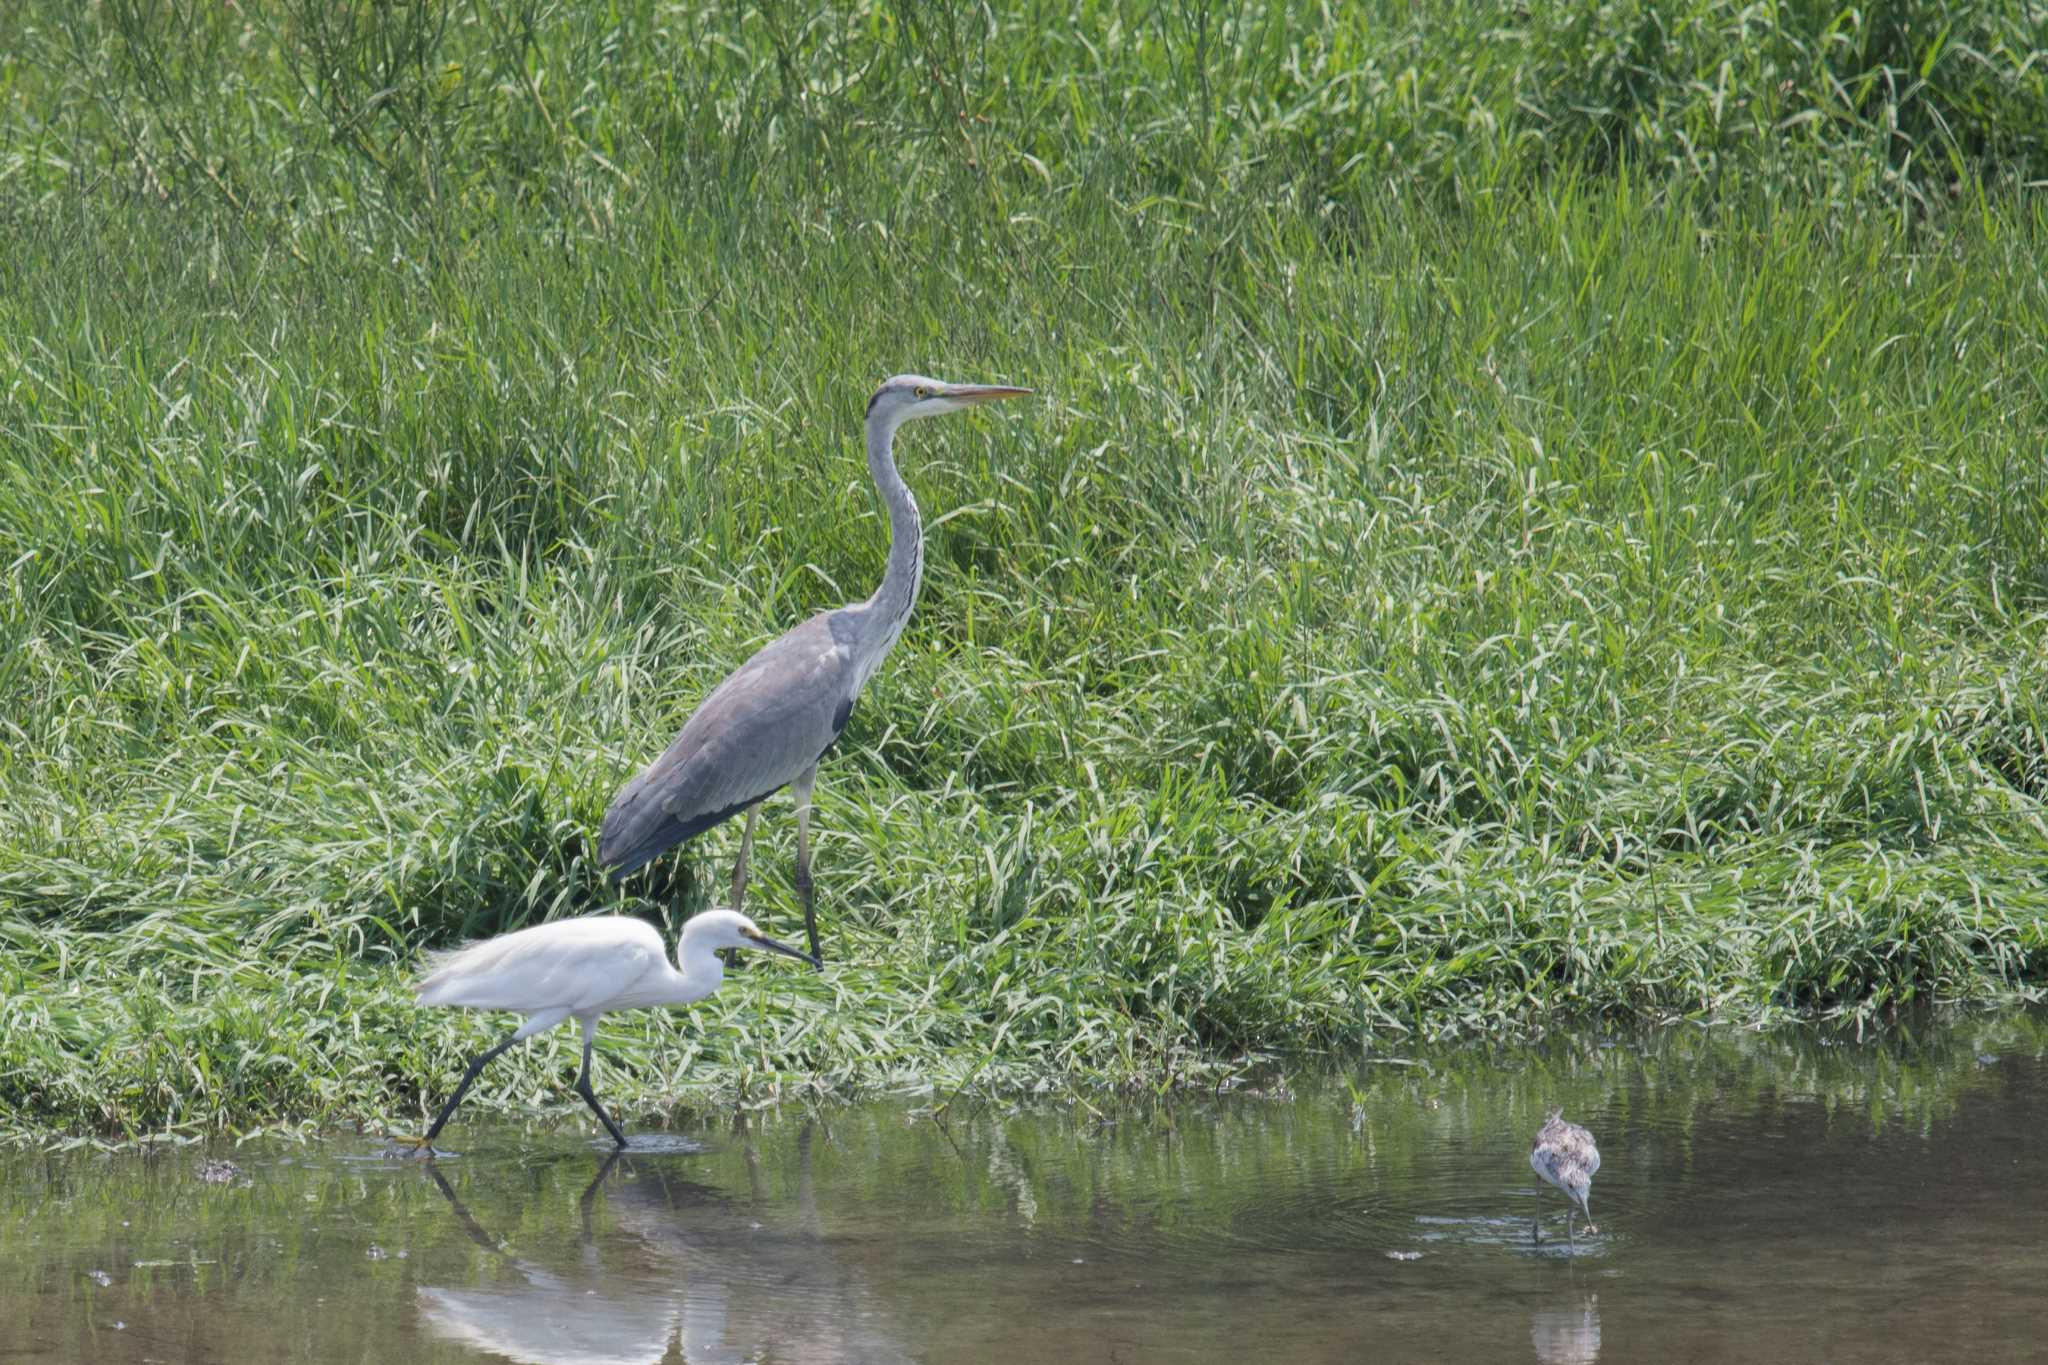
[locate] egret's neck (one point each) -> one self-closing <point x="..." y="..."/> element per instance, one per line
<point x="699" y="971"/>
<point x="898" y="593"/>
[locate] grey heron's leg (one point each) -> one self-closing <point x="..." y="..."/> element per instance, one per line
<point x="801" y="790"/>
<point x="583" y="1086"/>
<point x="1536" y="1229"/>
<point x="739" y="867"/>
<point x="425" y="1145"/>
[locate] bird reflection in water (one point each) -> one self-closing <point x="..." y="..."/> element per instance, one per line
<point x="684" y="1273"/>
<point x="1567" y="1336"/>
<point x="549" y="1317"/>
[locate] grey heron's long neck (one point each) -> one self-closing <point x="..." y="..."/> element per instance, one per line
<point x="898" y="593"/>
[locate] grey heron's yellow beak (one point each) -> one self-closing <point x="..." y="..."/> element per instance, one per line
<point x="985" y="393"/>
<point x="761" y="940"/>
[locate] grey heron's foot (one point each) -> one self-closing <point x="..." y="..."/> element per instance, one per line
<point x="1589" y="1228"/>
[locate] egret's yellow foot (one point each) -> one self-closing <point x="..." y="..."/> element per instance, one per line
<point x="408" y="1146"/>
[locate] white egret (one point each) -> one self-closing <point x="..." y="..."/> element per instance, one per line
<point x="580" y="969"/>
<point x="1564" y="1155"/>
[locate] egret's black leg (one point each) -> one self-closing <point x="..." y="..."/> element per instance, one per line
<point x="425" y="1145"/>
<point x="583" y="1089"/>
<point x="801" y="789"/>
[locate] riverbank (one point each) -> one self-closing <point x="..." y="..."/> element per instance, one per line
<point x="1469" y="566"/>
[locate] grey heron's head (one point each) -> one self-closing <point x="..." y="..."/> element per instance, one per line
<point x="905" y="396"/>
<point x="722" y="928"/>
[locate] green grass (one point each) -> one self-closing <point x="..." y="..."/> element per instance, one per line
<point x="1521" y="522"/>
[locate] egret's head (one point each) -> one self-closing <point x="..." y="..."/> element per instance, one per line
<point x="905" y="396"/>
<point x="724" y="928"/>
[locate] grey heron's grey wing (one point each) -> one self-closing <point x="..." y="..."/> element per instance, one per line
<point x="755" y="733"/>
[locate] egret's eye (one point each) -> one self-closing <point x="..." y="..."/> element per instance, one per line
<point x="922" y="392"/>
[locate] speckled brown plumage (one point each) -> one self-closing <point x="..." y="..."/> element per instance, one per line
<point x="1564" y="1155"/>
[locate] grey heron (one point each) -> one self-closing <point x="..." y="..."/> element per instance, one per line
<point x="580" y="969"/>
<point x="1564" y="1155"/>
<point x="767" y="725"/>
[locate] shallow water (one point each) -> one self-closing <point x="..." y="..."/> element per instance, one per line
<point x="1761" y="1197"/>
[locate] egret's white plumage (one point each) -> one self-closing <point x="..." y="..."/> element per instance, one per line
<point x="580" y="969"/>
<point x="769" y="723"/>
<point x="1564" y="1155"/>
<point x="604" y="962"/>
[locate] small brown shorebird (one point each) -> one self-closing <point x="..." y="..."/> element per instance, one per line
<point x="1564" y="1155"/>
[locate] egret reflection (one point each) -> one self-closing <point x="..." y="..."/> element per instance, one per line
<point x="578" y="1316"/>
<point x="680" y="1271"/>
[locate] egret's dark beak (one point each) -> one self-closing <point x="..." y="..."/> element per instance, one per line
<point x="985" y="393"/>
<point x="763" y="941"/>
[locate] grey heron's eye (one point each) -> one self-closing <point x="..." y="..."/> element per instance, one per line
<point x="921" y="391"/>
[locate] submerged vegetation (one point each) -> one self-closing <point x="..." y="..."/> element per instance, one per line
<point x="1524" y="519"/>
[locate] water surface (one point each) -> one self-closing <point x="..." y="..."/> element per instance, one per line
<point x="1794" y="1196"/>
